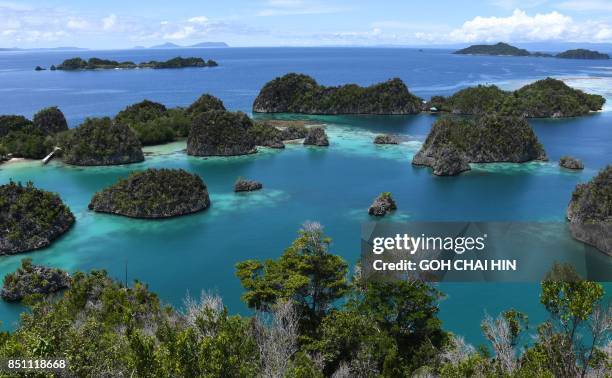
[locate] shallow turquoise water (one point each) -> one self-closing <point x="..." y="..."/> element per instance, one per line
<point x="333" y="186"/>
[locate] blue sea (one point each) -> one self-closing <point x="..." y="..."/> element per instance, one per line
<point x="333" y="186"/>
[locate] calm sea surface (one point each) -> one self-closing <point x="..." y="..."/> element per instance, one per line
<point x="333" y="186"/>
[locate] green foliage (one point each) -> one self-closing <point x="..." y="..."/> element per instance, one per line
<point x="140" y="112"/>
<point x="306" y="273"/>
<point x="205" y="103"/>
<point x="499" y="48"/>
<point x="28" y="142"/>
<point x="154" y="193"/>
<point x="543" y="98"/>
<point x="592" y="202"/>
<point x="220" y="133"/>
<point x="30" y="218"/>
<point x="50" y="120"/>
<point x="264" y="134"/>
<point x="10" y="123"/>
<point x="30" y="279"/>
<point x="100" y="141"/>
<point x="297" y="93"/>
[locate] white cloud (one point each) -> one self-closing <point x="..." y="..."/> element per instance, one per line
<point x="521" y="27"/>
<point x="109" y="22"/>
<point x="296" y="7"/>
<point x="198" y="20"/>
<point x="587" y="5"/>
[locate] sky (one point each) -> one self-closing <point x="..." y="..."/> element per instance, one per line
<point x="123" y="24"/>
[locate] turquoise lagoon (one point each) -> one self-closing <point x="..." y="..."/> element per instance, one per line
<point x="333" y="186"/>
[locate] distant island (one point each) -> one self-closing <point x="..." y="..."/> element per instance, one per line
<point x="298" y="93"/>
<point x="76" y="64"/>
<point x="582" y="54"/>
<point x="504" y="49"/>
<point x="500" y="48"/>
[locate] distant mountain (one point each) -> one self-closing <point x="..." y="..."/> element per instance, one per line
<point x="582" y="54"/>
<point x="170" y="45"/>
<point x="167" y="45"/>
<point x="500" y="48"/>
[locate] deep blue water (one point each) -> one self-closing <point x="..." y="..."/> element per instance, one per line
<point x="333" y="186"/>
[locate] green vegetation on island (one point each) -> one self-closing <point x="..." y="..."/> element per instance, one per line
<point x="74" y="64"/>
<point x="30" y="218"/>
<point x="312" y="320"/>
<point x="23" y="138"/>
<point x="453" y="143"/>
<point x="153" y="123"/>
<point x="382" y="205"/>
<point x="543" y="98"/>
<point x="101" y="141"/>
<point x="220" y="133"/>
<point x="30" y="279"/>
<point x="499" y="48"/>
<point x="297" y="93"/>
<point x="583" y="54"/>
<point x="153" y="193"/>
<point x="590" y="211"/>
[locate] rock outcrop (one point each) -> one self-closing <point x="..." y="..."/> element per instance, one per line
<point x="385" y="139"/>
<point x="243" y="185"/>
<point x="293" y="132"/>
<point x="154" y="193"/>
<point x="101" y="141"/>
<point x="220" y="133"/>
<point x="456" y="142"/>
<point x="297" y="93"/>
<point x="590" y="211"/>
<point x="205" y="103"/>
<point x="382" y="205"/>
<point x="50" y="120"/>
<point x="570" y="163"/>
<point x="30" y="218"/>
<point x="316" y="137"/>
<point x="33" y="279"/>
<point x="266" y="135"/>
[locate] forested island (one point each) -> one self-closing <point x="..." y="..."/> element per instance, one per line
<point x="153" y="194"/>
<point x="454" y="142"/>
<point x="30" y="279"/>
<point x="30" y="218"/>
<point x="312" y="318"/>
<point x="75" y="64"/>
<point x="504" y="49"/>
<point x="298" y="93"/>
<point x="583" y="54"/>
<point x="544" y="98"/>
<point x="499" y="48"/>
<point x="590" y="211"/>
<point x="101" y="141"/>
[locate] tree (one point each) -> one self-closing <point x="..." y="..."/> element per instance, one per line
<point x="306" y="274"/>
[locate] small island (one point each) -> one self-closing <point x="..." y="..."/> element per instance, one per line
<point x="541" y="99"/>
<point x="385" y="139"/>
<point x="453" y="143"/>
<point x="243" y="185"/>
<point x="316" y="137"/>
<point x="30" y="279"/>
<point x="583" y="54"/>
<point x="78" y="64"/>
<point x="101" y="141"/>
<point x="382" y="205"/>
<point x="153" y="194"/>
<point x="590" y="211"/>
<point x="220" y="133"/>
<point x="297" y="93"/>
<point x="571" y="163"/>
<point x="30" y="218"/>
<point x="499" y="48"/>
